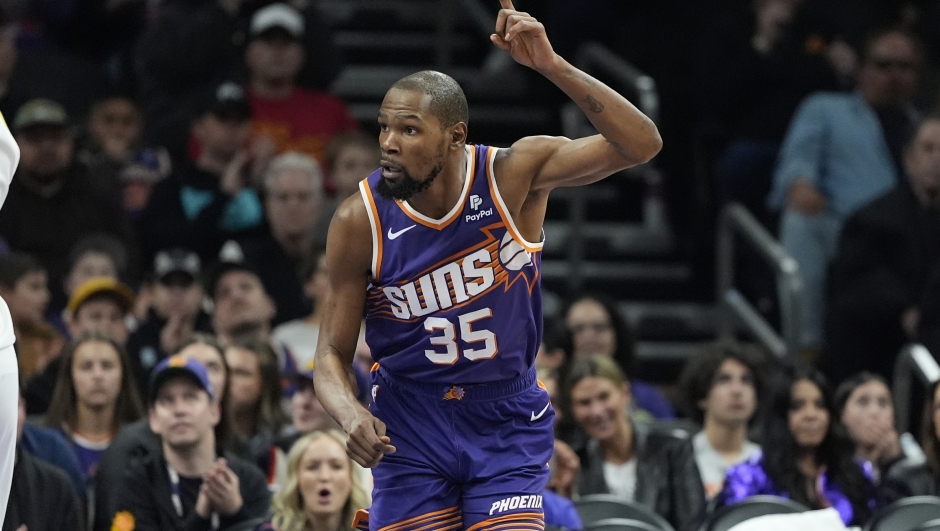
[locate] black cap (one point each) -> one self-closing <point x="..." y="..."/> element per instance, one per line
<point x="228" y="100"/>
<point x="176" y="261"/>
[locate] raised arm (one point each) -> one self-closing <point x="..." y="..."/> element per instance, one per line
<point x="627" y="136"/>
<point x="348" y="263"/>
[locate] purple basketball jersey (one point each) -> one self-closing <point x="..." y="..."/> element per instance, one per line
<point x="454" y="300"/>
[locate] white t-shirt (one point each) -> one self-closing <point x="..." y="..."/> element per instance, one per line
<point x="621" y="479"/>
<point x="9" y="157"/>
<point x="301" y="338"/>
<point x="712" y="467"/>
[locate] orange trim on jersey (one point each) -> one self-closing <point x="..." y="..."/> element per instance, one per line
<point x="433" y="515"/>
<point x="454" y="522"/>
<point x="540" y="384"/>
<point x="458" y="209"/>
<point x="361" y="520"/>
<point x="516" y="518"/>
<point x="502" y="209"/>
<point x="375" y="367"/>
<point x="377" y="241"/>
<point x="527" y="525"/>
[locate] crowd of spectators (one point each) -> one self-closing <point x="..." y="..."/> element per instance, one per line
<point x="161" y="254"/>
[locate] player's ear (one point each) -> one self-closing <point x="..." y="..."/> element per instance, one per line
<point x="458" y="135"/>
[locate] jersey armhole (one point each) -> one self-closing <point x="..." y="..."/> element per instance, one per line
<point x="376" y="225"/>
<point x="504" y="211"/>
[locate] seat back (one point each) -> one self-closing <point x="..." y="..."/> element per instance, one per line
<point x="933" y="525"/>
<point x="731" y="515"/>
<point x="906" y="514"/>
<point x="596" y="507"/>
<point x="620" y="524"/>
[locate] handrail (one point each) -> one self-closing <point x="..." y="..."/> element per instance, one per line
<point x="735" y="220"/>
<point x="913" y="360"/>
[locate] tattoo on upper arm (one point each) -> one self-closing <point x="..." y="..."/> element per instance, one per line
<point x="618" y="147"/>
<point x="594" y="105"/>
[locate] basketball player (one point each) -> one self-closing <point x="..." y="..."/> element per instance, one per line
<point x="9" y="373"/>
<point x="441" y="252"/>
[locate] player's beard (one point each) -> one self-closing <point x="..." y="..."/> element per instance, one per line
<point x="408" y="186"/>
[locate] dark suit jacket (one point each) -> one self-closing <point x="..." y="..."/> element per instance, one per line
<point x="888" y="252"/>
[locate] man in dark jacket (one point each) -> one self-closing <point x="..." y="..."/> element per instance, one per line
<point x="888" y="253"/>
<point x="175" y="314"/>
<point x="187" y="486"/>
<point x="209" y="199"/>
<point x="53" y="201"/>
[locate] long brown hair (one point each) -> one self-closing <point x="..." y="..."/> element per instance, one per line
<point x="268" y="411"/>
<point x="64" y="405"/>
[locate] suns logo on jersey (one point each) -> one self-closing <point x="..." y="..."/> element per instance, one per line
<point x="458" y="280"/>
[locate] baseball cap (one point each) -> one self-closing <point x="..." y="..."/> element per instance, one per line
<point x="102" y="286"/>
<point x="274" y="16"/>
<point x="361" y="378"/>
<point x="40" y="111"/>
<point x="176" y="261"/>
<point x="178" y="365"/>
<point x="228" y="100"/>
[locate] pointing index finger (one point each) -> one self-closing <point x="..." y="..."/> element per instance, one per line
<point x="506" y="4"/>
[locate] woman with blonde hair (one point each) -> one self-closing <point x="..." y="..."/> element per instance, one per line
<point x="324" y="487"/>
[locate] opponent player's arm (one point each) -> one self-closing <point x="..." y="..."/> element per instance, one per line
<point x="348" y="263"/>
<point x="9" y="158"/>
<point x="627" y="136"/>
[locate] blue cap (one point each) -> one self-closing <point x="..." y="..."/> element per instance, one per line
<point x="362" y="379"/>
<point x="178" y="365"/>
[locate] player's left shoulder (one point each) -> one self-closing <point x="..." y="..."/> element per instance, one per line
<point x="526" y="156"/>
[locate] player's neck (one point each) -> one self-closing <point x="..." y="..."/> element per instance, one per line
<point x="323" y="522"/>
<point x="445" y="191"/>
<point x="272" y="88"/>
<point x="191" y="461"/>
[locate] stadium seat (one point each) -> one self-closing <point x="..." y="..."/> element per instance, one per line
<point x="620" y="524"/>
<point x="596" y="507"/>
<point x="933" y="525"/>
<point x="906" y="514"/>
<point x="731" y="515"/>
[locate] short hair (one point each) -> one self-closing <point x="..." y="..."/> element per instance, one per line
<point x="873" y="37"/>
<point x="448" y="102"/>
<point x="294" y="161"/>
<point x="698" y="375"/>
<point x="15" y="266"/>
<point x="930" y="118"/>
<point x="102" y="243"/>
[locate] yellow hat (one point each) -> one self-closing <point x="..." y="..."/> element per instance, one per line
<point x="118" y="291"/>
